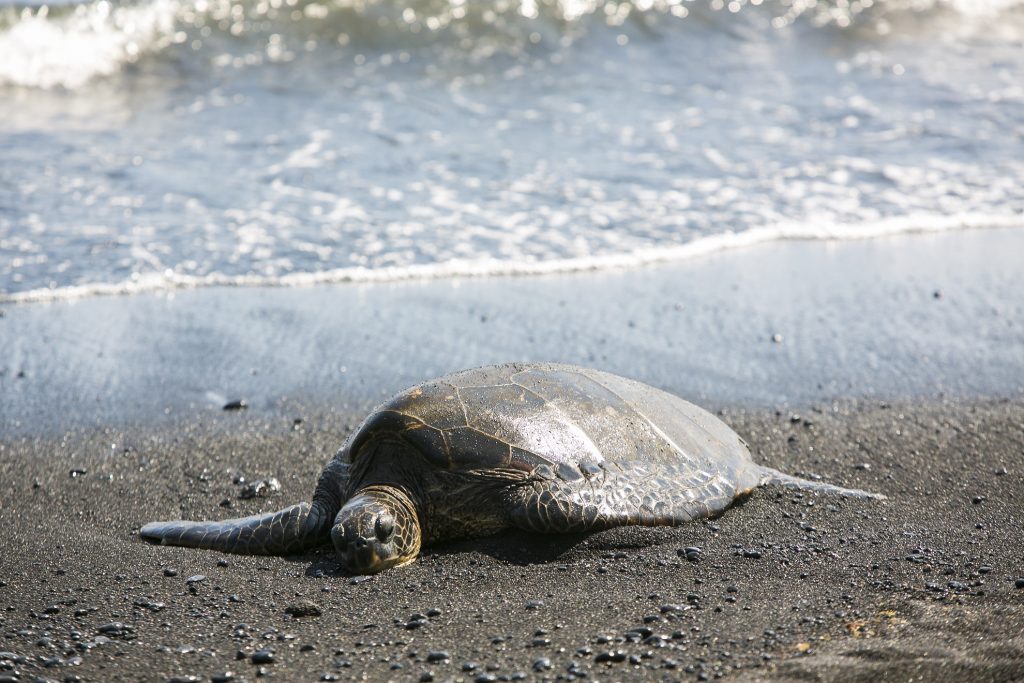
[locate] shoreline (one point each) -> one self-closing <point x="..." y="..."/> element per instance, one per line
<point x="710" y="245"/>
<point x="920" y="585"/>
<point x="780" y="324"/>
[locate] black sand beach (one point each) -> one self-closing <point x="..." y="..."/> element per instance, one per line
<point x="786" y="587"/>
<point x="899" y="371"/>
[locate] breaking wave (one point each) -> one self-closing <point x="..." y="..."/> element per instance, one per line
<point x="66" y="45"/>
<point x="168" y="144"/>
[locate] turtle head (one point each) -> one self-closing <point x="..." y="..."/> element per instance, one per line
<point x="376" y="529"/>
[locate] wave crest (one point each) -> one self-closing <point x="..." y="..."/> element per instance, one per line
<point x="70" y="48"/>
<point x="69" y="45"/>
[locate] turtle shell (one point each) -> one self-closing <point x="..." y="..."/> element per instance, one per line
<point x="570" y="419"/>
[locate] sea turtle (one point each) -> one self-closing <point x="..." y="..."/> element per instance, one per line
<point x="541" y="447"/>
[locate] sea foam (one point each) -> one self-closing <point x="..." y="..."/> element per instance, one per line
<point x="700" y="247"/>
<point x="66" y="49"/>
<point x="153" y="146"/>
<point x="68" y="44"/>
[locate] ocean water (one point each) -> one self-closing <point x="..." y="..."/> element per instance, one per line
<point x="151" y="145"/>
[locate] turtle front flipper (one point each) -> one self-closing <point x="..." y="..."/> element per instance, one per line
<point x="773" y="477"/>
<point x="291" y="530"/>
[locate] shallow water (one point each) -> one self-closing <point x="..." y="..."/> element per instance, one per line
<point x="187" y="142"/>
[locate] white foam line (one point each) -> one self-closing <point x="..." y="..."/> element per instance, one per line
<point x="905" y="225"/>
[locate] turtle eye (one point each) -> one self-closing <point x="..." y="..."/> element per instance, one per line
<point x="384" y="526"/>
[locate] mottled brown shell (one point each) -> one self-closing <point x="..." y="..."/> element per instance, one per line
<point x="570" y="419"/>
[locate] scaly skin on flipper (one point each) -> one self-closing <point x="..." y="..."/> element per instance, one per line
<point x="634" y="495"/>
<point x="626" y="494"/>
<point x="292" y="530"/>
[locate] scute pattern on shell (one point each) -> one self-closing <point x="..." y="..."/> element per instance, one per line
<point x="563" y="419"/>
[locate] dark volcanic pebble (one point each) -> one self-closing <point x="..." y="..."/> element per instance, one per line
<point x="150" y="605"/>
<point x="1019" y="583"/>
<point x="263" y="657"/>
<point x="260" y="488"/>
<point x="438" y="656"/>
<point x="170" y="572"/>
<point x="690" y="553"/>
<point x="638" y="632"/>
<point x="610" y="656"/>
<point x="237" y="404"/>
<point x="304" y="608"/>
<point x="114" y="628"/>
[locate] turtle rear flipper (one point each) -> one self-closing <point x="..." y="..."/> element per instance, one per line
<point x="291" y="530"/>
<point x="773" y="477"/>
<point x="671" y="495"/>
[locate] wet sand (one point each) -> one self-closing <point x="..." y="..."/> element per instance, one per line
<point x="892" y="318"/>
<point x="786" y="587"/>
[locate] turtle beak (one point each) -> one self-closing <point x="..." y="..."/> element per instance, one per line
<point x="360" y="555"/>
<point x="363" y="557"/>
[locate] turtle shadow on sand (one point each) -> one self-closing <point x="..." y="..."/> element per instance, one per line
<point x="512" y="547"/>
<point x="518" y="547"/>
<point x="523" y="548"/>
